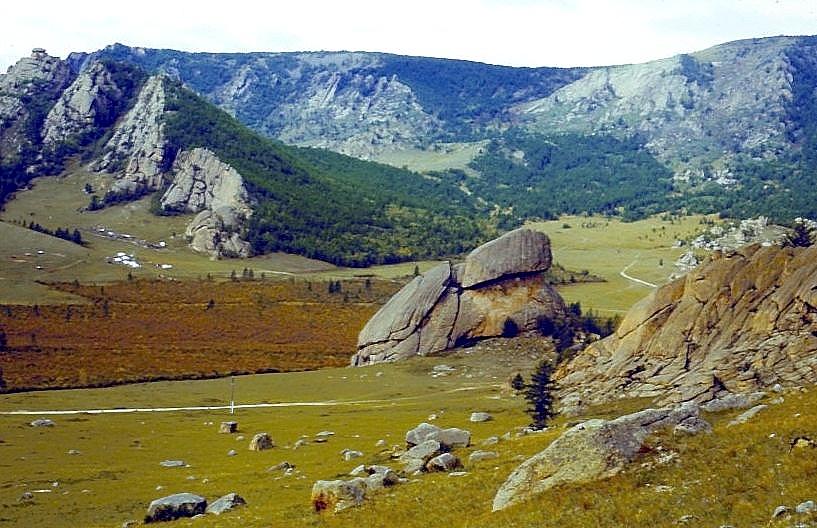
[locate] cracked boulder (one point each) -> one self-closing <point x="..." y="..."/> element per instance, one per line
<point x="740" y="322"/>
<point x="451" y="304"/>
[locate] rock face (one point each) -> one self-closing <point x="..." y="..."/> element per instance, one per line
<point x="39" y="77"/>
<point x="175" y="507"/>
<point x="738" y="323"/>
<point x="589" y="451"/>
<point x="203" y="184"/>
<point x="136" y="150"/>
<point x="89" y="103"/>
<point x="447" y="305"/>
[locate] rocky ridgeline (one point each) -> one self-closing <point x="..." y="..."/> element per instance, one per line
<point x="500" y="284"/>
<point x="740" y="322"/>
<point x="196" y="182"/>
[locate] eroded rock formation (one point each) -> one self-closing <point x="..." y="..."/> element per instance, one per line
<point x="499" y="281"/>
<point x="740" y="322"/>
<point x="136" y="151"/>
<point x="84" y="106"/>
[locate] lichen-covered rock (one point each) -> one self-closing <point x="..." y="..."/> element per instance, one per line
<point x="261" y="442"/>
<point x="740" y="322"/>
<point x="444" y="462"/>
<point x="175" y="507"/>
<point x="447" y="305"/>
<point x="337" y="495"/>
<point x="589" y="451"/>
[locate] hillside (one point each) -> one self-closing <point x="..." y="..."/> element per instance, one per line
<point x="733" y="125"/>
<point x="250" y="194"/>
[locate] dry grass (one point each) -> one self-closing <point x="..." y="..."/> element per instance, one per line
<point x="143" y="330"/>
<point x="736" y="476"/>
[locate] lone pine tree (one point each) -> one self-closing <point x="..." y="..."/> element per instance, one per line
<point x="539" y="395"/>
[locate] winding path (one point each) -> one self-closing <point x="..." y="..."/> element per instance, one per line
<point x="623" y="273"/>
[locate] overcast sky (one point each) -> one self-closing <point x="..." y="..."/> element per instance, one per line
<point x="512" y="32"/>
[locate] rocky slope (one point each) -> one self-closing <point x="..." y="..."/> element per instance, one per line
<point x="741" y="322"/>
<point x="499" y="285"/>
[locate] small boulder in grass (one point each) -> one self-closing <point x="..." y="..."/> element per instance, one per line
<point x="175" y="507"/>
<point x="477" y="417"/>
<point x="226" y="503"/>
<point x="228" y="427"/>
<point x="261" y="441"/>
<point x="42" y="422"/>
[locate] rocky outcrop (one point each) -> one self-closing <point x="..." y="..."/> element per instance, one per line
<point x="740" y="322"/>
<point x="40" y="78"/>
<point x="498" y="282"/>
<point x="589" y="451"/>
<point x="89" y="103"/>
<point x="203" y="184"/>
<point x="136" y="152"/>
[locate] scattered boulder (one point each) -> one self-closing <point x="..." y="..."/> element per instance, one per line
<point x="589" y="451"/>
<point x="42" y="422"/>
<point x="26" y="497"/>
<point x="747" y="415"/>
<point x="478" y="417"/>
<point x="337" y="495"/>
<point x="479" y="456"/>
<point x="172" y="463"/>
<point x="232" y="452"/>
<point x="806" y="507"/>
<point x="444" y="462"/>
<point x="228" y="427"/>
<point x="499" y="281"/>
<point x="421" y="433"/>
<point x="780" y="511"/>
<point x="351" y="454"/>
<point x="425" y="451"/>
<point x="491" y="440"/>
<point x="261" y="441"/>
<point x="175" y="507"/>
<point x="454" y="437"/>
<point x="225" y="504"/>
<point x="282" y="466"/>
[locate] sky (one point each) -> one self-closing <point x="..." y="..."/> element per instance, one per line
<point x="510" y="32"/>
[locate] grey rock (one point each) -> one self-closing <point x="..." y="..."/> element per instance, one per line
<point x="228" y="427"/>
<point x="588" y="451"/>
<point x="453" y="437"/>
<point x="733" y="401"/>
<point x="261" y="441"/>
<point x="747" y="415"/>
<point x="74" y="452"/>
<point x="175" y="507"/>
<point x="88" y="103"/>
<point x="42" y="422"/>
<point x="26" y="497"/>
<point x="491" y="440"/>
<point x="479" y="456"/>
<point x="232" y="452"/>
<point x="138" y="142"/>
<point x="806" y="507"/>
<point x="421" y="433"/>
<point x="517" y="252"/>
<point x="352" y="454"/>
<point x="281" y="466"/>
<point x="424" y="451"/>
<point x="480" y="417"/>
<point x="443" y="462"/>
<point x="780" y="511"/>
<point x="172" y="463"/>
<point x="413" y="466"/>
<point x="692" y="426"/>
<point x="225" y="504"/>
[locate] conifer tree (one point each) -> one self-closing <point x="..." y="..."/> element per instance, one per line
<point x="539" y="395"/>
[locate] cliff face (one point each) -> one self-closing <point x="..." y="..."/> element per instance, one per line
<point x="499" y="284"/>
<point x="739" y="323"/>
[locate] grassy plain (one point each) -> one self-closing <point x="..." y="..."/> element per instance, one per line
<point x="607" y="246"/>
<point x="736" y="476"/>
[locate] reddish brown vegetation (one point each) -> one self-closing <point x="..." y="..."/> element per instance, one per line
<point x="147" y="330"/>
